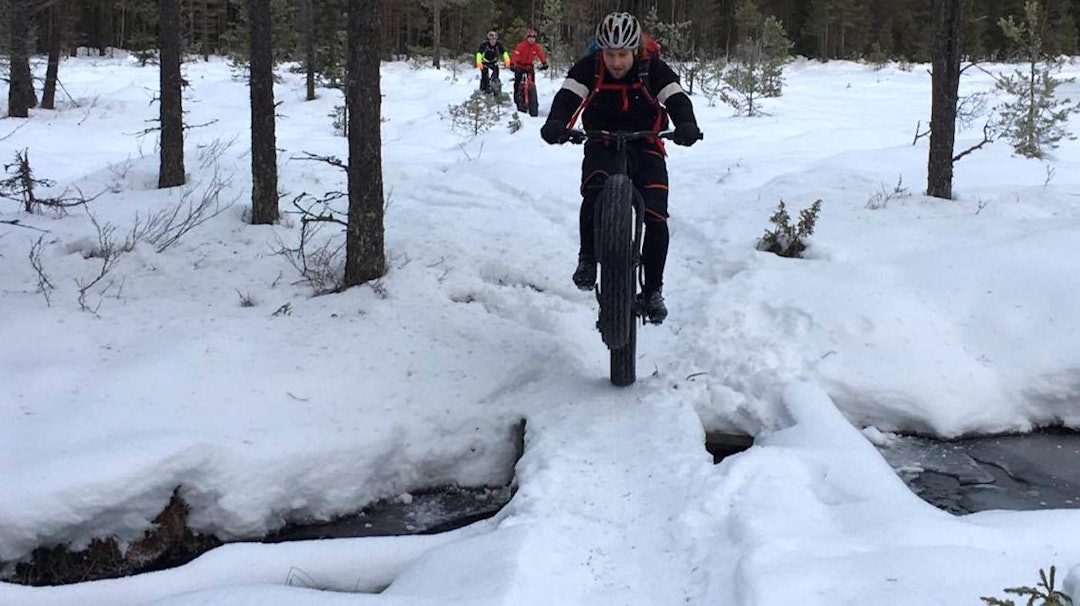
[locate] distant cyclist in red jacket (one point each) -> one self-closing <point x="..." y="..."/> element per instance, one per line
<point x="523" y="61"/>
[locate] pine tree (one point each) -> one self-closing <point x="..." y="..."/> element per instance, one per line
<point x="945" y="81"/>
<point x="365" y="255"/>
<point x="760" y="56"/>
<point x="1032" y="117"/>
<point x="550" y="24"/>
<point x="264" y="195"/>
<point x="674" y="38"/>
<point x="171" y="172"/>
<point x="21" y="95"/>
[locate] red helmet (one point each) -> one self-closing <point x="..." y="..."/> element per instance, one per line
<point x="530" y="33"/>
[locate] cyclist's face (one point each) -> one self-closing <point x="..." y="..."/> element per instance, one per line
<point x="618" y="61"/>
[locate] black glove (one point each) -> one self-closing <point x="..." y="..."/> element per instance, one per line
<point x="686" y="134"/>
<point x="543" y="66"/>
<point x="554" y="132"/>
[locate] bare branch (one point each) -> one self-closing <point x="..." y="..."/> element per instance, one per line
<point x="19" y="223"/>
<point x="109" y="250"/>
<point x="319" y="265"/>
<point x="22" y="123"/>
<point x="45" y="286"/>
<point x="21" y="183"/>
<point x="331" y="160"/>
<point x="919" y="135"/>
<point x="165" y="228"/>
<point x="988" y="137"/>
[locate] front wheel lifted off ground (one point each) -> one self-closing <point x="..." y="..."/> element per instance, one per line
<point x="617" y="325"/>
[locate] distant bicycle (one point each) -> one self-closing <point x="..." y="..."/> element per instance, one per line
<point x="525" y="94"/>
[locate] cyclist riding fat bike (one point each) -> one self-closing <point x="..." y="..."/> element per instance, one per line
<point x="523" y="61"/>
<point x="623" y="87"/>
<point x="488" y="57"/>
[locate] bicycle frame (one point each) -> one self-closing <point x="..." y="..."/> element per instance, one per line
<point x="529" y="77"/>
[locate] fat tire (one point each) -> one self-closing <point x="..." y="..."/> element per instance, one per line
<point x="617" y="268"/>
<point x="534" y="103"/>
<point x="624" y="360"/>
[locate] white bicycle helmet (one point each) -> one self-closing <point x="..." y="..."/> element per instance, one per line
<point x="618" y="30"/>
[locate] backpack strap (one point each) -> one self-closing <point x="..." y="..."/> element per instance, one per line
<point x="643" y="77"/>
<point x="643" y="83"/>
<point x="598" y="79"/>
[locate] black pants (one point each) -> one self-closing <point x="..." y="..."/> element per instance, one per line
<point x="487" y="73"/>
<point x="648" y="169"/>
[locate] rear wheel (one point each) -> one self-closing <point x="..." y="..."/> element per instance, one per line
<point x="617" y="325"/>
<point x="534" y="103"/>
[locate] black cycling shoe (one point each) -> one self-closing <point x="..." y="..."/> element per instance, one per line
<point x="585" y="274"/>
<point x="652" y="306"/>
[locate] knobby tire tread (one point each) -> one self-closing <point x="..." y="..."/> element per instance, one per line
<point x="617" y="321"/>
<point x="624" y="360"/>
<point x="534" y="103"/>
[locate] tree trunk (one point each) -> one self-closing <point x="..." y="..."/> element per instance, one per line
<point x="365" y="258"/>
<point x="21" y="95"/>
<point x="103" y="26"/>
<point x="264" y="197"/>
<point x="947" y="25"/>
<point x="307" y="15"/>
<point x="171" y="172"/>
<point x="56" y="23"/>
<point x="436" y="33"/>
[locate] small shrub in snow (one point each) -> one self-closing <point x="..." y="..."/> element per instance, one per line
<point x="475" y="115"/>
<point x="246" y="300"/>
<point x="1043" y="595"/>
<point x="340" y="119"/>
<point x="785" y="239"/>
<point x="877" y="58"/>
<point x="515" y="122"/>
<point x="881" y="198"/>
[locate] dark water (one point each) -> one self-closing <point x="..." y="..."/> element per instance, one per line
<point x="721" y="445"/>
<point x="426" y="512"/>
<point x="172" y="543"/>
<point x="1039" y="470"/>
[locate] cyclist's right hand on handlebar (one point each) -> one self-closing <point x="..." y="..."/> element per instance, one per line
<point x="555" y="132"/>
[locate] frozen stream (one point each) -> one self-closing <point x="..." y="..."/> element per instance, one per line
<point x="1039" y="470"/>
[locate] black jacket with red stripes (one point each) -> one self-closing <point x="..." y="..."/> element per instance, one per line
<point x="621" y="104"/>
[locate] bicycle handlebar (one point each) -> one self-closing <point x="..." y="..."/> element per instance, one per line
<point x="620" y="136"/>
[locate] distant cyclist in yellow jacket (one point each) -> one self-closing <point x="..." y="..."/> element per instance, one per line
<point x="488" y="57"/>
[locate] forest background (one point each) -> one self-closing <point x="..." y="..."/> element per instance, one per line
<point x="872" y="30"/>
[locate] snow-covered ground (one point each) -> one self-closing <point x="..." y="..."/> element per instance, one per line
<point x="948" y="317"/>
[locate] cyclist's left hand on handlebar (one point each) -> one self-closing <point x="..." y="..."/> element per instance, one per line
<point x="554" y="132"/>
<point x="686" y="134"/>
